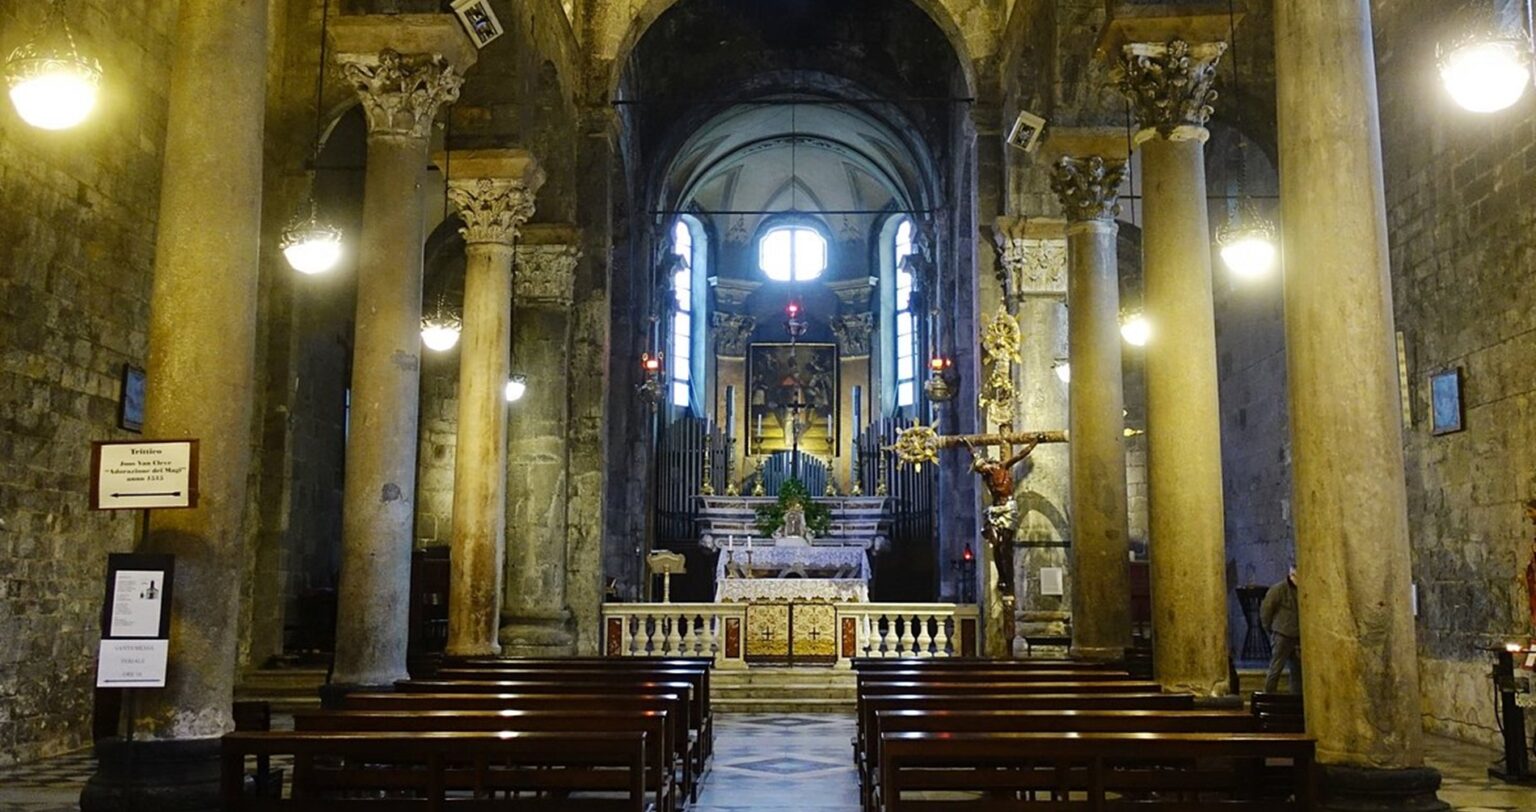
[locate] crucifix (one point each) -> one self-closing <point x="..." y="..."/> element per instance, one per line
<point x="921" y="444"/>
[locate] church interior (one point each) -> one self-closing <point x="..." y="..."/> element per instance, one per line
<point x="627" y="404"/>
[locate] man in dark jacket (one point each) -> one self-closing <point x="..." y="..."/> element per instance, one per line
<point x="1281" y="619"/>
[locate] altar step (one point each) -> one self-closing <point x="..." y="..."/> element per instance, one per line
<point x="782" y="689"/>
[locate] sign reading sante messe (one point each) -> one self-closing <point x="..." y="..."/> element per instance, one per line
<point x="135" y="475"/>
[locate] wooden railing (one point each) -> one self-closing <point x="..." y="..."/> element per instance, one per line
<point x="719" y="630"/>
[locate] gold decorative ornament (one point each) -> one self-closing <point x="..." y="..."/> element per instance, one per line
<point x="1000" y="343"/>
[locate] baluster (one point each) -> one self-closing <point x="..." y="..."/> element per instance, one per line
<point x="887" y="640"/>
<point x="861" y="645"/>
<point x="648" y="624"/>
<point x="674" y="639"/>
<point x="941" y="636"/>
<point x="626" y="638"/>
<point x="907" y="638"/>
<point x="924" y="639"/>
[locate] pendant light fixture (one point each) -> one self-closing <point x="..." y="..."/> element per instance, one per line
<point x="311" y="245"/>
<point x="1247" y="241"/>
<point x="517" y="382"/>
<point x="1488" y="68"/>
<point x="53" y="86"/>
<point x="1136" y="329"/>
<point x="442" y="325"/>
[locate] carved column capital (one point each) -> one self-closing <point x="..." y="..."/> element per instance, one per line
<point x="1037" y="267"/>
<point x="732" y="334"/>
<point x="546" y="274"/>
<point x="1169" y="85"/>
<point x="401" y="93"/>
<point x="1089" y="187"/>
<point x="492" y="208"/>
<point x="853" y="332"/>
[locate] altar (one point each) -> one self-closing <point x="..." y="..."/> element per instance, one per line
<point x="794" y="573"/>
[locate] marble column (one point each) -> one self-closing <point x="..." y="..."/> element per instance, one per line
<point x="536" y="618"/>
<point x="1034" y="263"/>
<point x="403" y="67"/>
<point x="202" y="342"/>
<point x="1361" y="676"/>
<point x="492" y="191"/>
<point x="1169" y="84"/>
<point x="1088" y="187"/>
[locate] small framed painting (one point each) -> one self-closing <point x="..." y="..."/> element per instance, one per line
<point x="130" y="413"/>
<point x="1445" y="412"/>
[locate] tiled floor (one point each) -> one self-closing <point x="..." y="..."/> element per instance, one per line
<point x="776" y="763"/>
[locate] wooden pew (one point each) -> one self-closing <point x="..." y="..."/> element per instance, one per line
<point x="598" y="674"/>
<point x="1279" y="713"/>
<point x="1178" y="771"/>
<point x="1011" y="701"/>
<point x="675" y="705"/>
<point x="336" y="772"/>
<point x="935" y="686"/>
<point x="699" y="723"/>
<point x="1040" y="721"/>
<point x="991" y="675"/>
<point x="978" y="663"/>
<point x="653" y="723"/>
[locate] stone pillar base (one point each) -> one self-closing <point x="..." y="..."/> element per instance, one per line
<point x="1359" y="789"/>
<point x="153" y="776"/>
<point x="537" y="637"/>
<point x="333" y="694"/>
<point x="1110" y="654"/>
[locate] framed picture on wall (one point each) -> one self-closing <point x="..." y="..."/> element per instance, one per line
<point x="1445" y="412"/>
<point x="130" y="411"/>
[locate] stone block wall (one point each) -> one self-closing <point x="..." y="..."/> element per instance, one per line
<point x="77" y="218"/>
<point x="1460" y="191"/>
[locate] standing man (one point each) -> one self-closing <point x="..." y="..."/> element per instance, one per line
<point x="1279" y="617"/>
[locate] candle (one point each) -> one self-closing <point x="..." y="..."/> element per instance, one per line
<point x="759" y="424"/>
<point x="749" y="543"/>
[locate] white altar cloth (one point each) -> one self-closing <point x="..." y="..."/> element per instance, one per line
<point x="799" y="560"/>
<point x="747" y="590"/>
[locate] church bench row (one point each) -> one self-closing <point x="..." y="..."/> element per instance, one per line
<point x="872" y="664"/>
<point x="1033" y="766"/>
<point x="684" y="746"/>
<point x="945" y="720"/>
<point x="1094" y="771"/>
<point x="336" y="771"/>
<point x="699" y="722"/>
<point x="660" y="779"/>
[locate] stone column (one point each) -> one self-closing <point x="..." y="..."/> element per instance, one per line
<point x="536" y="619"/>
<point x="1361" y="675"/>
<point x="403" y="67"/>
<point x="202" y="341"/>
<point x="1034" y="264"/>
<point x="1101" y="613"/>
<point x="492" y="191"/>
<point x="1169" y="84"/>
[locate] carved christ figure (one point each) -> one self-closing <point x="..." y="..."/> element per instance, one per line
<point x="1003" y="514"/>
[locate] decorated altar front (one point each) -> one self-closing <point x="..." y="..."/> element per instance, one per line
<point x="791" y="573"/>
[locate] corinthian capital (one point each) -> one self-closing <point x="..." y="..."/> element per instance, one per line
<point x="1088" y="187"/>
<point x="492" y="208"/>
<point x="401" y="93"/>
<point x="1169" y="85"/>
<point x="546" y="274"/>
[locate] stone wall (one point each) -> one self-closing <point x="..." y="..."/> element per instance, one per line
<point x="1460" y="191"/>
<point x="76" y="251"/>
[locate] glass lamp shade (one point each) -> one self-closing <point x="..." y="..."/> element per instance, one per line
<point x="440" y="334"/>
<point x="1064" y="371"/>
<point x="517" y="386"/>
<point x="52" y="86"/>
<point x="310" y="246"/>
<point x="1248" y="246"/>
<point x="1486" y="73"/>
<point x="1136" y="330"/>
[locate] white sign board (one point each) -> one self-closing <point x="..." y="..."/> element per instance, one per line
<point x="136" y="603"/>
<point x="1051" y="581"/>
<point x="140" y="476"/>
<point x="132" y="663"/>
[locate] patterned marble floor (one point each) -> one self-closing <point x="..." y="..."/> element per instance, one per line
<point x="776" y="763"/>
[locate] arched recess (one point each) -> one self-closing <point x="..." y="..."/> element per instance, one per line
<point x="618" y="34"/>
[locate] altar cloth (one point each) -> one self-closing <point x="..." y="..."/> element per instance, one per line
<point x="749" y="590"/>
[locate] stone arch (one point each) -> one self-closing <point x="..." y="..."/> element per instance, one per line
<point x="627" y="22"/>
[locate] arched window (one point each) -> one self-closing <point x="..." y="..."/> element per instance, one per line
<point x="792" y="253"/>
<point x="906" y="323"/>
<point x="687" y="311"/>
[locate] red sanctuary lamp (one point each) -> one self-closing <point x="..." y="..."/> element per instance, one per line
<point x="940" y="386"/>
<point x="650" y="386"/>
<point x="793" y="324"/>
